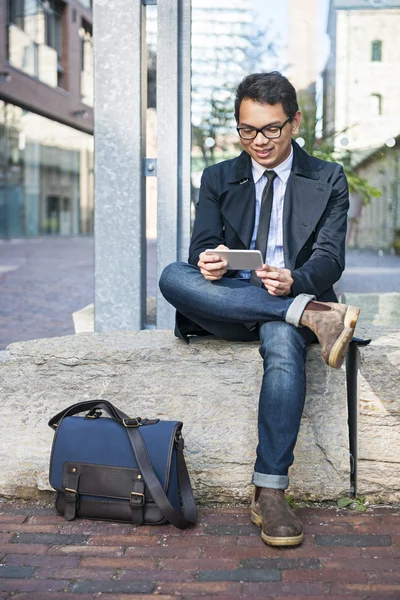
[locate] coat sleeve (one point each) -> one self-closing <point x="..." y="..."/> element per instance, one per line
<point x="327" y="260"/>
<point x="208" y="229"/>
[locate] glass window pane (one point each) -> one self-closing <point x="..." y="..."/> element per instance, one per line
<point x="376" y="51"/>
<point x="22" y="50"/>
<point x="46" y="176"/>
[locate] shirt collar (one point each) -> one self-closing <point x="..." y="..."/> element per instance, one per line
<point x="282" y="170"/>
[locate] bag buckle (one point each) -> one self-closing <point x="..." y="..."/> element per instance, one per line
<point x="70" y="491"/>
<point x="137" y="494"/>
<point x="93" y="414"/>
<point x="131" y="422"/>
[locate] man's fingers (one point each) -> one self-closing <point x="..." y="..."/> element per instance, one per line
<point x="212" y="266"/>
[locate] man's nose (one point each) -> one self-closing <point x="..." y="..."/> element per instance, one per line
<point x="261" y="139"/>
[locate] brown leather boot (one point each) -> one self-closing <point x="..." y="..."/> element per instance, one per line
<point x="279" y="525"/>
<point x="334" y="325"/>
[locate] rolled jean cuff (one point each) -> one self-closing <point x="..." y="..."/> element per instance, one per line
<point x="276" y="482"/>
<point x="296" y="309"/>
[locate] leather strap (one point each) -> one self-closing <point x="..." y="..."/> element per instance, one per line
<point x="155" y="488"/>
<point x="137" y="501"/>
<point x="71" y="497"/>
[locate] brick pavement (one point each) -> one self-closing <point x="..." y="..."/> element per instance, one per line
<point x="44" y="280"/>
<point x="345" y="555"/>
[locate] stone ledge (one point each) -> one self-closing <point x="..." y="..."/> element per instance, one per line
<point x="212" y="386"/>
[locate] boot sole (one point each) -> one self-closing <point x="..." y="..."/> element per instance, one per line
<point x="275" y="541"/>
<point x="339" y="348"/>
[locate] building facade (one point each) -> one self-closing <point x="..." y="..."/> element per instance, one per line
<point x="361" y="116"/>
<point x="46" y="117"/>
<point x="361" y="83"/>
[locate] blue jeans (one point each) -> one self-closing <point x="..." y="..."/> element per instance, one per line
<point x="224" y="308"/>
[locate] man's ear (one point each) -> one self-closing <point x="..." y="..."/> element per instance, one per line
<point x="295" y="122"/>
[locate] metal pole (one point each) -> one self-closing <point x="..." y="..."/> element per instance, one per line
<point x="120" y="223"/>
<point x="174" y="142"/>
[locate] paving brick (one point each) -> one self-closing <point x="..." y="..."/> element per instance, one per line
<point x="324" y="597"/>
<point x="87" y="550"/>
<point x="123" y="540"/>
<point x="353" y="540"/>
<point x="101" y="528"/>
<point x="266" y="574"/>
<point x="280" y="563"/>
<point x="8" y="572"/>
<point x="30" y="560"/>
<point x="199" y="587"/>
<point x="367" y="590"/>
<point x="26" y="528"/>
<point x="165" y="551"/>
<point x="50" y="538"/>
<point x="383" y="576"/>
<point x="364" y="564"/>
<point x="74" y="573"/>
<point x="382" y="552"/>
<point x="233" y="530"/>
<point x="259" y="590"/>
<point x="51" y="596"/>
<point x="187" y="564"/>
<point x="33" y="585"/>
<point x="207" y="540"/>
<point x="72" y="596"/>
<point x="327" y="575"/>
<point x="378" y="528"/>
<point x="23" y="549"/>
<point x="5" y="537"/>
<point x="324" y="551"/>
<point x="158" y="575"/>
<point x="121" y="562"/>
<point x="112" y="587"/>
<point x="222" y="597"/>
<point x="16" y="519"/>
<point x="45" y="520"/>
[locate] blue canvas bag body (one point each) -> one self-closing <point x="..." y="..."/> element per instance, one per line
<point x="119" y="469"/>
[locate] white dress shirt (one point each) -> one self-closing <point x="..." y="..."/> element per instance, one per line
<point x="274" y="252"/>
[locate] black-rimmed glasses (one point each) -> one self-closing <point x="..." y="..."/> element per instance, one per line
<point x="271" y="132"/>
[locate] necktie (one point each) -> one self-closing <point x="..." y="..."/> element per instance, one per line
<point x="263" y="223"/>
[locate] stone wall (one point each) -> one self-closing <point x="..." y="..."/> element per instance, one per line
<point x="212" y="386"/>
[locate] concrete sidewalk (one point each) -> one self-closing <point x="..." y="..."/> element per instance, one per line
<point x="345" y="556"/>
<point x="44" y="280"/>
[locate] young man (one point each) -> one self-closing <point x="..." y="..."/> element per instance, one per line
<point x="293" y="207"/>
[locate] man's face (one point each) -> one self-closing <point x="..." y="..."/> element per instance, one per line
<point x="267" y="152"/>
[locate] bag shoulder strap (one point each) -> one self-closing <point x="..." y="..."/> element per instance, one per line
<point x="155" y="488"/>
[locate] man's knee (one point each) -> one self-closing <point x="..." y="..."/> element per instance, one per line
<point x="281" y="340"/>
<point x="170" y="277"/>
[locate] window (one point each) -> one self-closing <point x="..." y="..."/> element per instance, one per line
<point x="34" y="38"/>
<point x="85" y="34"/>
<point x="375" y="103"/>
<point x="376" y="51"/>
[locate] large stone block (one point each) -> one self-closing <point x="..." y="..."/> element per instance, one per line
<point x="379" y="418"/>
<point x="212" y="386"/>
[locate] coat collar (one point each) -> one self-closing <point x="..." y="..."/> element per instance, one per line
<point x="242" y="167"/>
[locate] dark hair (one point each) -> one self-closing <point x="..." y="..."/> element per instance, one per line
<point x="267" y="88"/>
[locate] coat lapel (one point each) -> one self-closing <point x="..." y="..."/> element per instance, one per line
<point x="238" y="199"/>
<point x="305" y="200"/>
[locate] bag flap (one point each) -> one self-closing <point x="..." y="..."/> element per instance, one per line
<point x="103" y="441"/>
<point x="101" y="480"/>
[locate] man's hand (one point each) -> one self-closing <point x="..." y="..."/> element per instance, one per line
<point x="211" y="266"/>
<point x="277" y="281"/>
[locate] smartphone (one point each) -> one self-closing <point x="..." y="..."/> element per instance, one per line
<point x="240" y="259"/>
